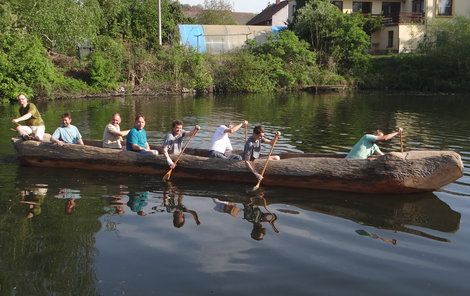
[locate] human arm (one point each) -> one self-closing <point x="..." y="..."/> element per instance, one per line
<point x="389" y="136"/>
<point x="55" y="138"/>
<point x="166" y="144"/>
<point x="80" y="142"/>
<point x="115" y="132"/>
<point x="194" y="131"/>
<point x="236" y="127"/>
<point x="22" y="118"/>
<point x="250" y="167"/>
<point x="194" y="214"/>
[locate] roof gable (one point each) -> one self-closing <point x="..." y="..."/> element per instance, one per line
<point x="267" y="13"/>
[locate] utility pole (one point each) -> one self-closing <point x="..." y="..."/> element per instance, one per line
<point x="160" y="22"/>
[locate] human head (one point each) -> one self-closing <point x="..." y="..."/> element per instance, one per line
<point x="178" y="219"/>
<point x="66" y="119"/>
<point x="176" y="127"/>
<point x="22" y="99"/>
<point x="378" y="133"/>
<point x="258" y="231"/>
<point x="116" y="119"/>
<point x="258" y="132"/>
<point x="139" y="121"/>
<point x="69" y="205"/>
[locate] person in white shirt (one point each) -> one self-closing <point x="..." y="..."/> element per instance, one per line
<point x="112" y="135"/>
<point x="220" y="145"/>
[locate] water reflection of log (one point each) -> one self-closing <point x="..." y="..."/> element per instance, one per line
<point x="394" y="213"/>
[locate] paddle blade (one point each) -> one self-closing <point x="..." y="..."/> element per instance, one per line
<point x="256" y="187"/>
<point x="167" y="176"/>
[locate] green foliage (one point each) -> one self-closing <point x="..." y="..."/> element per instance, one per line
<point x="6" y="16"/>
<point x="442" y="65"/>
<point x="183" y="68"/>
<point x="216" y="12"/>
<point x="338" y="38"/>
<point x="61" y="24"/>
<point x="244" y="72"/>
<point x="106" y="63"/>
<point x="24" y="66"/>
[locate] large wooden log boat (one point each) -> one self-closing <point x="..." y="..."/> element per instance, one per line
<point x="408" y="172"/>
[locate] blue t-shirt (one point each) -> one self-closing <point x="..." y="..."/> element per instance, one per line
<point x="69" y="134"/>
<point x="364" y="148"/>
<point x="137" y="137"/>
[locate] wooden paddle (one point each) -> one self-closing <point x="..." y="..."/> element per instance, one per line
<point x="246" y="132"/>
<point x="167" y="176"/>
<point x="266" y="163"/>
<point x="401" y="141"/>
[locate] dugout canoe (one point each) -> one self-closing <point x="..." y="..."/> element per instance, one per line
<point x="408" y="172"/>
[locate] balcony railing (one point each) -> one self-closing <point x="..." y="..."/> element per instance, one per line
<point x="403" y="18"/>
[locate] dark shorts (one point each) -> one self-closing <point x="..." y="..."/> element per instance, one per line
<point x="230" y="156"/>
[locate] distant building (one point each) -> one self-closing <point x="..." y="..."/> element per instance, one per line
<point x="405" y="21"/>
<point x="274" y="15"/>
<point x="216" y="39"/>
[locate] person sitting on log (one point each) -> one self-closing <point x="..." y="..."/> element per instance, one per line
<point x="112" y="135"/>
<point x="253" y="148"/>
<point x="137" y="138"/>
<point x="34" y="128"/>
<point x="67" y="133"/>
<point x="366" y="148"/>
<point x="174" y="139"/>
<point x="221" y="146"/>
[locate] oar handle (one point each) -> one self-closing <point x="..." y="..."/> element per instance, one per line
<point x="246" y="132"/>
<point x="269" y="155"/>
<point x="401" y="141"/>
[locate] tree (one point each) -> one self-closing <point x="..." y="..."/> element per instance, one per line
<point x="61" y="24"/>
<point x="216" y="12"/>
<point x="338" y="38"/>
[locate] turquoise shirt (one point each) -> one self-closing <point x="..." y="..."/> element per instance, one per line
<point x="69" y="134"/>
<point x="137" y="137"/>
<point x="364" y="148"/>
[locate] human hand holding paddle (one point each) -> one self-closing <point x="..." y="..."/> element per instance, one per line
<point x="261" y="176"/>
<point x="173" y="164"/>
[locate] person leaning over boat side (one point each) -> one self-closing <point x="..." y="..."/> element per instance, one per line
<point x="137" y="138"/>
<point x="253" y="148"/>
<point x="67" y="133"/>
<point x="366" y="146"/>
<point x="174" y="139"/>
<point x="112" y="135"/>
<point x="34" y="123"/>
<point x="221" y="146"/>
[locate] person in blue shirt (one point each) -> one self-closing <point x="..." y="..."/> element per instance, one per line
<point x="137" y="138"/>
<point x="366" y="146"/>
<point x="67" y="133"/>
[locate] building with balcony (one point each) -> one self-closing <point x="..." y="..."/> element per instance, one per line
<point x="405" y="21"/>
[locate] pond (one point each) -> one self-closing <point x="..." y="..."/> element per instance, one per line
<point x="77" y="232"/>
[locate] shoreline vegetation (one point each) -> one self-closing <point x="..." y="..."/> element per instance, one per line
<point x="41" y="53"/>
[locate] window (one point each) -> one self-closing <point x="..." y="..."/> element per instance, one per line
<point x="444" y="7"/>
<point x="362" y="7"/>
<point x="338" y="4"/>
<point x="417" y="6"/>
<point x="390" y="39"/>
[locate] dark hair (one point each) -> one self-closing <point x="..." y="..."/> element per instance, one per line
<point x="378" y="131"/>
<point x="175" y="123"/>
<point x="139" y="116"/>
<point x="258" y="129"/>
<point x="67" y="114"/>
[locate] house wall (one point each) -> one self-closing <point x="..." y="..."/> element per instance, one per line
<point x="279" y="18"/>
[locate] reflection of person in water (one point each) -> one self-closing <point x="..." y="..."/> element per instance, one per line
<point x="226" y="207"/>
<point x="137" y="201"/>
<point x="34" y="198"/>
<point x="173" y="202"/>
<point x="252" y="213"/>
<point x="70" y="195"/>
<point x="375" y="236"/>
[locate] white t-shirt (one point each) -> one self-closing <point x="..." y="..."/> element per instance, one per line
<point x="110" y="140"/>
<point x="220" y="141"/>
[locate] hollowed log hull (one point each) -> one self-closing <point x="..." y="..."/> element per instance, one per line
<point x="414" y="171"/>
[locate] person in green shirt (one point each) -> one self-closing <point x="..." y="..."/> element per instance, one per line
<point x="34" y="128"/>
<point x="366" y="146"/>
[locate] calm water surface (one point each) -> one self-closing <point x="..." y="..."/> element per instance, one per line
<point x="71" y="232"/>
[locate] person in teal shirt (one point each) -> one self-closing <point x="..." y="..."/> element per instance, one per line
<point x="366" y="146"/>
<point x="137" y="138"/>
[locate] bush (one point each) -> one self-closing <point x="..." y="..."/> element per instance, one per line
<point x="106" y="63"/>
<point x="24" y="67"/>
